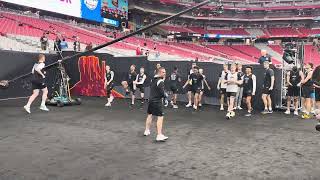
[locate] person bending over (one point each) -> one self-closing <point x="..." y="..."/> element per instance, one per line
<point x="157" y="94"/>
<point x="294" y="79"/>
<point x="249" y="88"/>
<point x="109" y="77"/>
<point x="233" y="81"/>
<point x="38" y="83"/>
<point x="128" y="84"/>
<point x="267" y="88"/>
<point x="139" y="83"/>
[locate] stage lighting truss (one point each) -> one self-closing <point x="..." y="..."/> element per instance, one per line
<point x="293" y="56"/>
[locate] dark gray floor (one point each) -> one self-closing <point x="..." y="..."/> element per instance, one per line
<point x="90" y="142"/>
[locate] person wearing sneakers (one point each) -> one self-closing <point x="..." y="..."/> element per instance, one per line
<point x="222" y="85"/>
<point x="249" y="88"/>
<point x="175" y="80"/>
<point x="307" y="88"/>
<point x="108" y="84"/>
<point x="188" y="86"/>
<point x="128" y="82"/>
<point x="4" y="83"/>
<point x="294" y="79"/>
<point x="239" y="96"/>
<point x="316" y="84"/>
<point x="268" y="85"/>
<point x="139" y="83"/>
<point x="38" y="83"/>
<point x="233" y="81"/>
<point x="203" y="82"/>
<point x="195" y="80"/>
<point x="157" y="94"/>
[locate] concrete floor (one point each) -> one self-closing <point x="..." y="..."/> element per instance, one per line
<point x="91" y="142"/>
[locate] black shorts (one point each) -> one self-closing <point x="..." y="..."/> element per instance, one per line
<point x="155" y="108"/>
<point x="195" y="90"/>
<point x="174" y="89"/>
<point x="189" y="88"/>
<point x="229" y="94"/>
<point x="266" y="90"/>
<point x="307" y="91"/>
<point x="317" y="94"/>
<point x="140" y="87"/>
<point x="293" y="91"/>
<point x="247" y="93"/>
<point x="223" y="91"/>
<point x="38" y="84"/>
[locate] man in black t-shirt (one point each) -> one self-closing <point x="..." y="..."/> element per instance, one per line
<point x="44" y="42"/>
<point x="307" y="89"/>
<point x="175" y="80"/>
<point x="188" y="86"/>
<point x="157" y="94"/>
<point x="128" y="84"/>
<point x="268" y="85"/>
<point x="294" y="79"/>
<point x="195" y="81"/>
<point x="264" y="57"/>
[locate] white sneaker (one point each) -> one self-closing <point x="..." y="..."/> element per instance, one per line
<point x="161" y="137"/>
<point x="296" y="113"/>
<point x="195" y="107"/>
<point x="221" y="108"/>
<point x="146" y="133"/>
<point x="108" y="104"/>
<point x="239" y="107"/>
<point x="111" y="99"/>
<point x="44" y="108"/>
<point x="287" y="112"/>
<point x="188" y="105"/>
<point x="27" y="109"/>
<point x="171" y="102"/>
<point x="200" y="105"/>
<point x="175" y="107"/>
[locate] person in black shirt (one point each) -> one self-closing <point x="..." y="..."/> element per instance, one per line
<point x="38" y="83"/>
<point x="249" y="88"/>
<point x="195" y="80"/>
<point x="108" y="83"/>
<point x="307" y="89"/>
<point x="175" y="80"/>
<point x="44" y="42"/>
<point x="239" y="95"/>
<point x="139" y="83"/>
<point x="157" y="94"/>
<point x="268" y="85"/>
<point x="203" y="84"/>
<point x="76" y="44"/>
<point x="264" y="57"/>
<point x="294" y="79"/>
<point x="128" y="83"/>
<point x="57" y="44"/>
<point x="188" y="86"/>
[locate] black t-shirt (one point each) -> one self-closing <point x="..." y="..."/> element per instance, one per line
<point x="157" y="90"/>
<point x="295" y="77"/>
<point x="240" y="75"/>
<point x="131" y="77"/>
<point x="109" y="76"/>
<point x="262" y="59"/>
<point x="309" y="82"/>
<point x="196" y="80"/>
<point x="267" y="78"/>
<point x="140" y="78"/>
<point x="247" y="82"/>
<point x="174" y="78"/>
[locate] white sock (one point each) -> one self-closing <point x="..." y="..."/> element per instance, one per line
<point x="43" y="103"/>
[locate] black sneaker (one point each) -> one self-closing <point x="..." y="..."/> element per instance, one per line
<point x="270" y="111"/>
